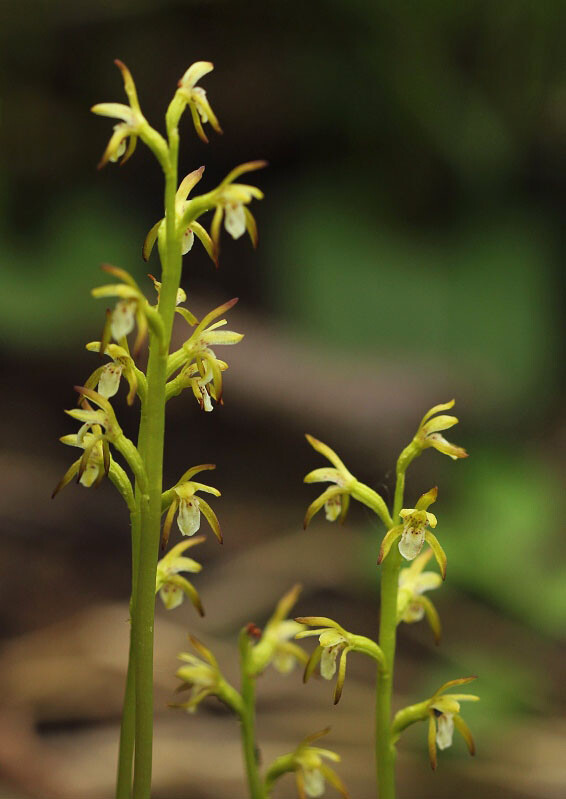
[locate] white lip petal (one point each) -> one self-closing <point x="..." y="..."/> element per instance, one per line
<point x="444" y="730"/>
<point x="328" y="662"/>
<point x="235" y="220"/>
<point x="314" y="782"/>
<point x="188" y="241"/>
<point x="109" y="382"/>
<point x="188" y="517"/>
<point x="411" y="542"/>
<point x="171" y="596"/>
<point x="123" y="319"/>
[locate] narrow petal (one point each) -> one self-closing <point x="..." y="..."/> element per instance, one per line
<point x="432" y="741"/>
<point x="335" y="781"/>
<point x="323" y="475"/>
<point x="66" y="479"/>
<point x="315" y="506"/>
<point x="251" y="227"/>
<point x="195" y="72"/>
<point x="188" y="589"/>
<point x="197" y="123"/>
<point x="454" y="683"/>
<point x="439" y="553"/>
<point x="466" y="733"/>
<point x="210" y="517"/>
<point x="249" y="166"/>
<point x="442" y="445"/>
<point x="205" y="240"/>
<point x="438" y="424"/>
<point x="194" y="470"/>
<point x="114" y="111"/>
<point x="341" y="675"/>
<point x="388" y="542"/>
<point x="325" y="450"/>
<point x="168" y="522"/>
<point x="426" y="500"/>
<point x="432" y="617"/>
<point x="445" y="406"/>
<point x="188" y="183"/>
<point x="312" y="663"/>
<point x="150" y="240"/>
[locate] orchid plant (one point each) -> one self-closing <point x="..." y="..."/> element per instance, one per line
<point x="408" y="531"/>
<point x="129" y="324"/>
<point x="195" y="366"/>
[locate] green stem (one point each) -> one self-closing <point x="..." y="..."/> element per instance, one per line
<point x="247" y="718"/>
<point x="152" y="429"/>
<point x="384" y="746"/>
<point x="128" y="723"/>
<point x="127" y="734"/>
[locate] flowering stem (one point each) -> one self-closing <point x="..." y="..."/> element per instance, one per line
<point x="247" y="717"/>
<point x="385" y="747"/>
<point x="128" y="723"/>
<point x="152" y="435"/>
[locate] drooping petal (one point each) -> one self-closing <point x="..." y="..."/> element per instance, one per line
<point x="109" y="381"/>
<point x="466" y="734"/>
<point x="439" y="553"/>
<point x="328" y="662"/>
<point x="411" y="542"/>
<point x="188" y="518"/>
<point x="438" y="441"/>
<point x="445" y="730"/>
<point x="123" y="318"/>
<point x="211" y="518"/>
<point x="315" y="506"/>
<point x="235" y="220"/>
<point x="314" y="782"/>
<point x="188" y="241"/>
<point x="333" y="508"/>
<point x="341" y="676"/>
<point x="388" y="542"/>
<point x="171" y="596"/>
<point x="432" y="741"/>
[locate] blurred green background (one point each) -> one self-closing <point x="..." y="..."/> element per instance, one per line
<point x="411" y="250"/>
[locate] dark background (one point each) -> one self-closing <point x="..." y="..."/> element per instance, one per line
<point x="411" y="250"/>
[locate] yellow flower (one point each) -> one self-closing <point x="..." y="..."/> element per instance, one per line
<point x="107" y="378"/>
<point x="189" y="232"/>
<point x="168" y="582"/>
<point x="182" y="499"/>
<point x="335" y="499"/>
<point x="196" y="98"/>
<point x="231" y="201"/>
<point x="275" y="645"/>
<point x="311" y="772"/>
<point x="414" y="532"/>
<point x="430" y="428"/>
<point x="131" y="121"/>
<point x="412" y="606"/>
<point x="444" y="716"/>
<point x="334" y="641"/>
<point x="129" y="310"/>
<point x="94" y="464"/>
